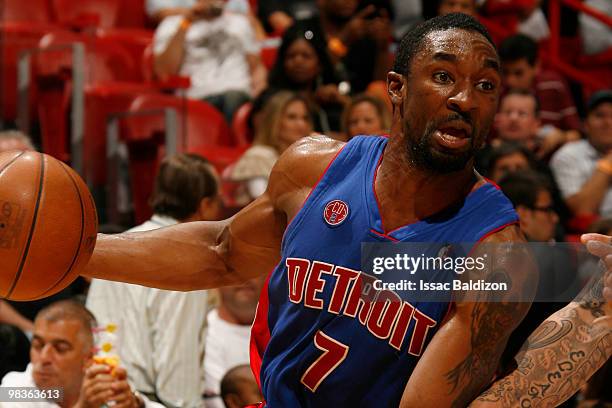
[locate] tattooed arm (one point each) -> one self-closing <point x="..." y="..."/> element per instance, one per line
<point x="562" y="353"/>
<point x="461" y="359"/>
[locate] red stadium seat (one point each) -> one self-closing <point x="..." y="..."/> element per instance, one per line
<point x="132" y="14"/>
<point x="22" y="25"/>
<point x="104" y="61"/>
<point x="240" y="127"/>
<point x="16" y="38"/>
<point x="38" y="11"/>
<point x="201" y="129"/>
<point x="81" y="14"/>
<point x="268" y="55"/>
<point x="205" y="124"/>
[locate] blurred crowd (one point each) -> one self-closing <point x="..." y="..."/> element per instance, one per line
<point x="549" y="150"/>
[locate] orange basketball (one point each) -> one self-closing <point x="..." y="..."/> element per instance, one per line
<point x="48" y="225"/>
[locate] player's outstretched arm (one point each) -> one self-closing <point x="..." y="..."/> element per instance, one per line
<point x="564" y="351"/>
<point x="201" y="255"/>
<point x="461" y="359"/>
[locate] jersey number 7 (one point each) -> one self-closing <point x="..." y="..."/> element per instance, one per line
<point x="334" y="353"/>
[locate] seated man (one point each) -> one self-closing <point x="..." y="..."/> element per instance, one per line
<point x="518" y="120"/>
<point x="583" y="169"/>
<point x="61" y="359"/>
<point x="217" y="49"/>
<point x="521" y="69"/>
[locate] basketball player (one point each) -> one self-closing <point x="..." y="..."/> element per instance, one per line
<point x="317" y="341"/>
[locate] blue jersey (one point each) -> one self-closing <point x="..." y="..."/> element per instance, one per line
<point x="319" y="338"/>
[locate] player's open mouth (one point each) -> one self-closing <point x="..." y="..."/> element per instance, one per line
<point x="453" y="137"/>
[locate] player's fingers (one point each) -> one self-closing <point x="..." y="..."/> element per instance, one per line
<point x="595" y="237"/>
<point x="598" y="247"/>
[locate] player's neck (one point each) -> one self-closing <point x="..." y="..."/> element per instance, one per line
<point x="408" y="194"/>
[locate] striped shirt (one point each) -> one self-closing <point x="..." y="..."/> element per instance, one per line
<point x="161" y="334"/>
<point x="573" y="165"/>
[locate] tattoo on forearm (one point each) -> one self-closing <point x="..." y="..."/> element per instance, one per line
<point x="558" y="358"/>
<point x="490" y="325"/>
<point x="591" y="297"/>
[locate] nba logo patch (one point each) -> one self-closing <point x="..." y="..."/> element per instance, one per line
<point x="335" y="212"/>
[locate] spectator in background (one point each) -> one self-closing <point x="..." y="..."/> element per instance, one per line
<point x="518" y="120"/>
<point x="596" y="36"/>
<point x="583" y="169"/>
<point x="366" y="115"/>
<point x="239" y="388"/>
<point x="217" y="50"/>
<point x="162" y="331"/>
<point x="531" y="196"/>
<point x="14" y="140"/>
<point x="521" y="70"/>
<point x="157" y="10"/>
<point x="358" y="40"/>
<point x="62" y="356"/>
<point x="457" y="6"/>
<point x="407" y="13"/>
<point x="228" y="335"/>
<point x="286" y="118"/>
<point x="303" y="65"/>
<point x="506" y="158"/>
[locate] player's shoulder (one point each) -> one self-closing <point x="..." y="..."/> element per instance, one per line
<point x="307" y="159"/>
<point x="508" y="234"/>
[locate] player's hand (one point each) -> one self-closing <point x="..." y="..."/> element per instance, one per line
<point x="601" y="246"/>
<point x="96" y="388"/>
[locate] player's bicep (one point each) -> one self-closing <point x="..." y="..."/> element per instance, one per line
<point x="461" y="359"/>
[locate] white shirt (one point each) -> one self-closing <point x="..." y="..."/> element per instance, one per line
<point x="227" y="346"/>
<point x="25" y="379"/>
<point x="215" y="53"/>
<point x="161" y="333"/>
<point x="573" y="165"/>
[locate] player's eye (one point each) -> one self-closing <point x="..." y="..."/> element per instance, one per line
<point x="486" y="86"/>
<point x="442" y="77"/>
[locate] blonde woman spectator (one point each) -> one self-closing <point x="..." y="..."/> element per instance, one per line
<point x="286" y="119"/>
<point x="366" y="115"/>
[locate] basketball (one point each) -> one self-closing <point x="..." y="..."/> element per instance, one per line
<point x="48" y="225"/>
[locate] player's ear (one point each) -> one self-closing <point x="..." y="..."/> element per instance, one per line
<point x="395" y="88"/>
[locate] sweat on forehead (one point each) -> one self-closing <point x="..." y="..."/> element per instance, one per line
<point x="413" y="41"/>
